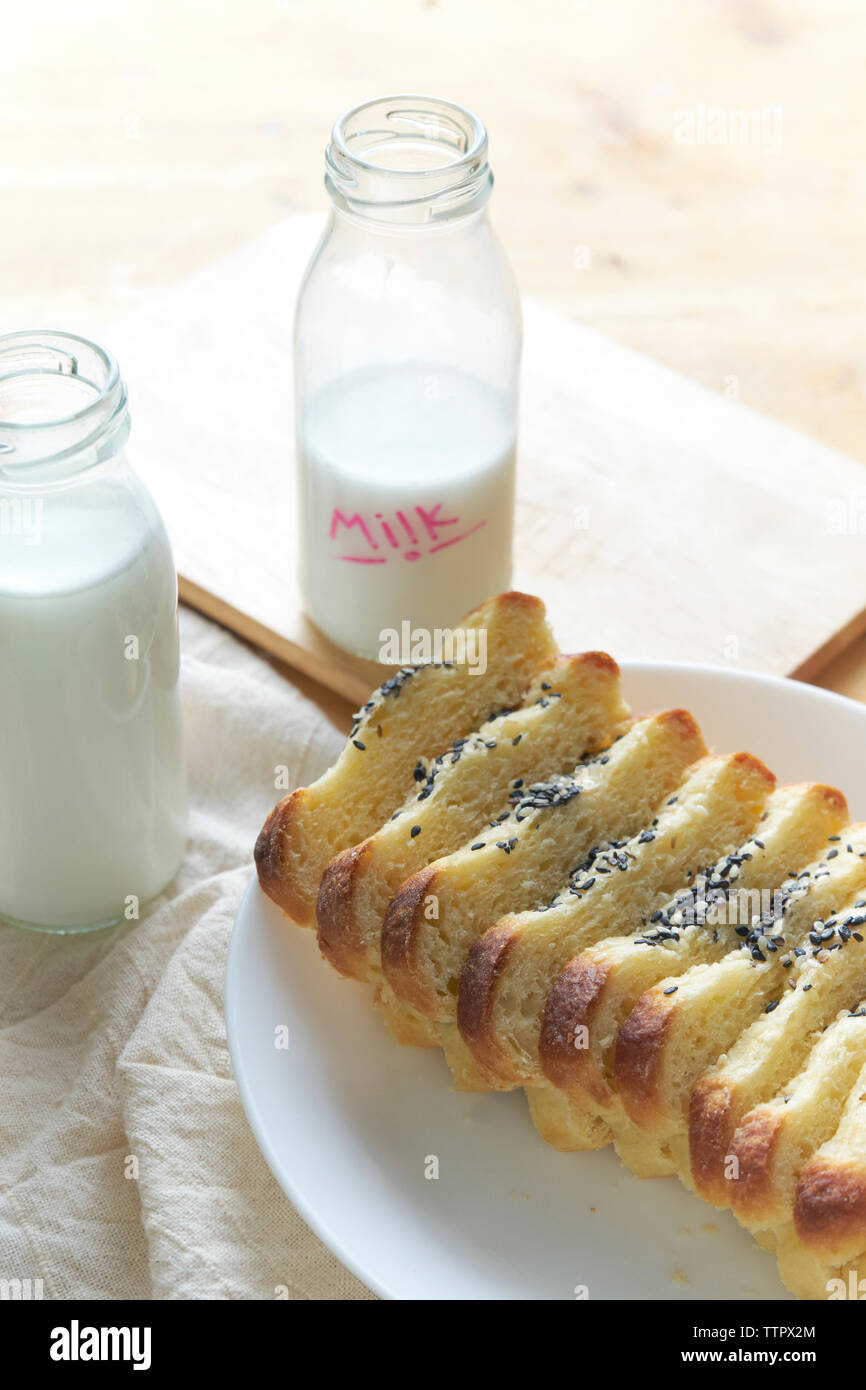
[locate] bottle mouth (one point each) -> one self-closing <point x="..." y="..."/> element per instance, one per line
<point x="408" y="159"/>
<point x="62" y="404"/>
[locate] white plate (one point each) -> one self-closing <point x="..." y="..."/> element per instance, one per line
<point x="347" y="1119"/>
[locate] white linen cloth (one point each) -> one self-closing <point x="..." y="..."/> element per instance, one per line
<point x="113" y="1046"/>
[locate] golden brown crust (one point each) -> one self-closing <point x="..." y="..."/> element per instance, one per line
<point x="481" y="970"/>
<point x="602" y="660"/>
<point x="638" y="1054"/>
<point x="712" y="1125"/>
<point x="337" y="931"/>
<point x="757" y="765"/>
<point x="688" y="724"/>
<point x="400" y="932"/>
<point x="834" y="798"/>
<point x="513" y="598"/>
<point x="830" y="1208"/>
<point x="270" y="858"/>
<point x="570" y="1006"/>
<point x="754" y="1147"/>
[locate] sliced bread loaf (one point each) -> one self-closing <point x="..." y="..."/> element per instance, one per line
<point x="770" y="1052"/>
<point x="825" y="1254"/>
<point x="572" y="706"/>
<point x="681" y="1026"/>
<point x="415" y="714"/>
<point x="608" y="797"/>
<point x="597" y="990"/>
<point x="777" y="1137"/>
<point x="517" y="1012"/>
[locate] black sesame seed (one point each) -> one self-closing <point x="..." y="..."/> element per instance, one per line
<point x="416" y="830"/>
<point x="480" y="845"/>
<point x="358" y="744"/>
<point x="671" y="989"/>
<point x="773" y="1004"/>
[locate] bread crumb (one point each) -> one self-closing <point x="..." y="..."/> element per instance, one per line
<point x="684" y="1231"/>
<point x="679" y="1277"/>
<point x="709" y="1229"/>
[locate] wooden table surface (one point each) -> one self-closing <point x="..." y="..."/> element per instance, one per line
<point x="687" y="176"/>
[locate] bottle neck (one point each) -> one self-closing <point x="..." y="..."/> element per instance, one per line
<point x="408" y="161"/>
<point x="63" y="407"/>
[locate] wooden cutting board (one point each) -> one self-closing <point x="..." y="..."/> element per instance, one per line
<point x="655" y="518"/>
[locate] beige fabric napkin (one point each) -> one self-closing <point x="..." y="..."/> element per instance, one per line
<point x="113" y="1046"/>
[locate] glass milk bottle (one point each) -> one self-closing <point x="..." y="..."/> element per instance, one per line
<point x="92" y="798"/>
<point x="407" y="356"/>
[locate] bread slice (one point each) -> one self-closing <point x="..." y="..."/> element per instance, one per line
<point x="598" y="990"/>
<point x="416" y="713"/>
<point x="680" y="1027"/>
<point x="608" y="797"/>
<point x="827" y="1246"/>
<point x="517" y="1012"/>
<point x="774" y="1047"/>
<point x="572" y="706"/>
<point x="562" y="1124"/>
<point x="777" y="1137"/>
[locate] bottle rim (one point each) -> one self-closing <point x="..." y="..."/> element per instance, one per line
<point x="456" y="180"/>
<point x="69" y="403"/>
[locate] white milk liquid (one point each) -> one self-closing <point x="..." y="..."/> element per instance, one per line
<point x="92" y="801"/>
<point x="407" y="495"/>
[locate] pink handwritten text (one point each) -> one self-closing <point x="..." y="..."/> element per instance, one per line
<point x="414" y="533"/>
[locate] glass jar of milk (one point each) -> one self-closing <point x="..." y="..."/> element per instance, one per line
<point x="407" y="356"/>
<point x="92" y="788"/>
